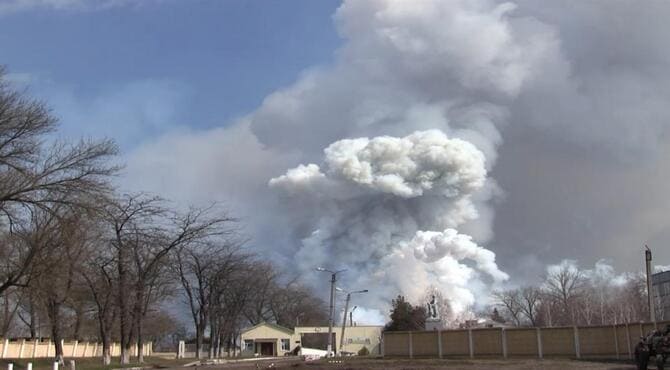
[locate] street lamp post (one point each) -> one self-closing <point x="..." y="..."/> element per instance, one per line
<point x="650" y="290"/>
<point x="333" y="279"/>
<point x="344" y="318"/>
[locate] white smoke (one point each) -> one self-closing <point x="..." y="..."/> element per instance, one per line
<point x="423" y="88"/>
<point x="661" y="268"/>
<point x="387" y="209"/>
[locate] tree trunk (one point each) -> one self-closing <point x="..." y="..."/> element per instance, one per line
<point x="124" y="319"/>
<point x="212" y="340"/>
<point x="138" y="315"/>
<point x="106" y="350"/>
<point x="105" y="329"/>
<point x="140" y="341"/>
<point x="53" y="309"/>
<point x="199" y="332"/>
<point x="77" y="323"/>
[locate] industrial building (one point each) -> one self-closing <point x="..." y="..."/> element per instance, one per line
<point x="661" y="288"/>
<point x="268" y="339"/>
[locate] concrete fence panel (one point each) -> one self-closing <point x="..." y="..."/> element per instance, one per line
<point x="24" y="348"/>
<point x="425" y="344"/>
<point x="42" y="349"/>
<point x="598" y="341"/>
<point x="558" y="342"/>
<point x="455" y="343"/>
<point x="487" y="342"/>
<point x="522" y="342"/>
<point x="396" y="344"/>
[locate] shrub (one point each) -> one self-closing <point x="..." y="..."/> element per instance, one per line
<point x="363" y="351"/>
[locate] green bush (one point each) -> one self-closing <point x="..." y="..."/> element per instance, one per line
<point x="363" y="351"/>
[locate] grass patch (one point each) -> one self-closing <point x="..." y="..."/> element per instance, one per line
<point x="92" y="363"/>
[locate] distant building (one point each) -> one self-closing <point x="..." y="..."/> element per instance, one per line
<point x="660" y="283"/>
<point x="268" y="339"/>
<point x="482" y="323"/>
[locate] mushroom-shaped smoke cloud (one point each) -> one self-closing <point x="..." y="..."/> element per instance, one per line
<point x="388" y="208"/>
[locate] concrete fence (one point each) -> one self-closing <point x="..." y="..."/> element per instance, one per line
<point x="609" y="341"/>
<point x="23" y="348"/>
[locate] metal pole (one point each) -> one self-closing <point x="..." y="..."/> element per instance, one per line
<point x="344" y="322"/>
<point x="650" y="292"/>
<point x="330" y="318"/>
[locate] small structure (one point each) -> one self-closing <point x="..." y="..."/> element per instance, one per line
<point x="661" y="293"/>
<point x="433" y="321"/>
<point x="267" y="339"/>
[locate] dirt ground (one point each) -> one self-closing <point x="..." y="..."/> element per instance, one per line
<point x="359" y="364"/>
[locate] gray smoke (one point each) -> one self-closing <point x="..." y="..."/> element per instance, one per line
<point x="577" y="91"/>
<point x="387" y="209"/>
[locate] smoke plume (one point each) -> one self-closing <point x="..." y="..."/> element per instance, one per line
<point x="378" y="161"/>
<point x="387" y="208"/>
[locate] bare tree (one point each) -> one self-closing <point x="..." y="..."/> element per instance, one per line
<point x="10" y="304"/>
<point x="530" y="299"/>
<point x="293" y="302"/>
<point x="54" y="277"/>
<point x="144" y="233"/>
<point x="34" y="174"/>
<point x="565" y="285"/>
<point x="510" y="300"/>
<point x="99" y="274"/>
<point x="263" y="279"/>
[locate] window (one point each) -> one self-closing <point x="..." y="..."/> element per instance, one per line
<point x="248" y="345"/>
<point x="285" y="345"/>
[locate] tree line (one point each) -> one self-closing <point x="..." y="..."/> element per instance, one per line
<point x="569" y="296"/>
<point x="565" y="296"/>
<point x="79" y="259"/>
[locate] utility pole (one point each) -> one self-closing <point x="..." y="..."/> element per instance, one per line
<point x="650" y="292"/>
<point x="333" y="279"/>
<point x="344" y="317"/>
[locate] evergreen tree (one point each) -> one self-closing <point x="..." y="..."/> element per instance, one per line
<point x="405" y="317"/>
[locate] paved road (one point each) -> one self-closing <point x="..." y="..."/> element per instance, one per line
<point x="360" y="364"/>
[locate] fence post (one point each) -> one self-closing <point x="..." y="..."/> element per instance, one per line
<point x="55" y="366"/>
<point x="539" y="342"/>
<point x="630" y="350"/>
<point x="72" y="365"/>
<point x="577" y="352"/>
<point x="74" y="348"/>
<point x="411" y="350"/>
<point x="29" y="366"/>
<point x="4" y="348"/>
<point x="381" y="346"/>
<point x="616" y="341"/>
<point x="503" y="341"/>
<point x="10" y="366"/>
<point x="439" y="343"/>
<point x="21" y="347"/>
<point x="181" y="349"/>
<point x="470" y="346"/>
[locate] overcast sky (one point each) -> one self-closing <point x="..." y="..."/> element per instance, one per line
<point x="209" y="100"/>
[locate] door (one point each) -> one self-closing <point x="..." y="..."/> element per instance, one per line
<point x="267" y="349"/>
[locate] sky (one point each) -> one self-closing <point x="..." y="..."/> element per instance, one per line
<point x="463" y="144"/>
